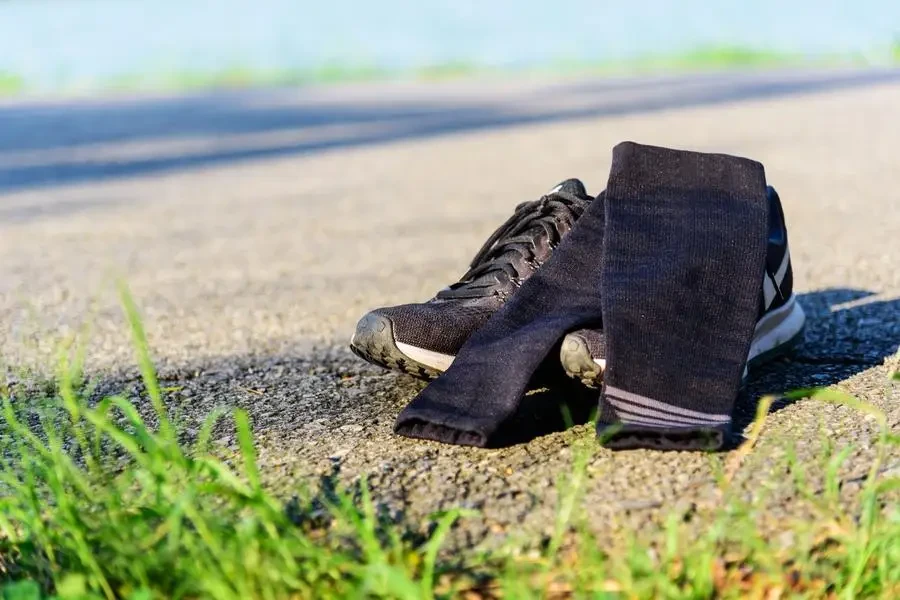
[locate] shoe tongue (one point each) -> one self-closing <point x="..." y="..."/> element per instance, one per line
<point x="571" y="186"/>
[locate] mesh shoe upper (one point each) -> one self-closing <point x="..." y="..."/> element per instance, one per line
<point x="594" y="340"/>
<point x="440" y="326"/>
<point x="777" y="283"/>
<point x="511" y="255"/>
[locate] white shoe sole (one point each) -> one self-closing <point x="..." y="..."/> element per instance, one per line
<point x="775" y="330"/>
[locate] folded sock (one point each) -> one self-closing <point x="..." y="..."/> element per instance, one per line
<point x="491" y="372"/>
<point x="683" y="258"/>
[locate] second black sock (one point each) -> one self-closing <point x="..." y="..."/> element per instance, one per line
<point x="683" y="258"/>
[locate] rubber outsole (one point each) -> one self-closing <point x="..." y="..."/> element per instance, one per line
<point x="374" y="341"/>
<point x="577" y="362"/>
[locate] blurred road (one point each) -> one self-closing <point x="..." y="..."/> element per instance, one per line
<point x="254" y="228"/>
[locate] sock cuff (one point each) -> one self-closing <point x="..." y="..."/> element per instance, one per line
<point x="639" y="170"/>
<point x="627" y="421"/>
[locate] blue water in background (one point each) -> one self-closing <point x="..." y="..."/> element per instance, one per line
<point x="63" y="43"/>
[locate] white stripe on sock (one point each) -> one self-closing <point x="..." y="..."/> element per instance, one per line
<point x="627" y="417"/>
<point x="649" y="413"/>
<point x="651" y="403"/>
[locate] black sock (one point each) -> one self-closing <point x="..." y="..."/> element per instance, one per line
<point x="490" y="374"/>
<point x="684" y="252"/>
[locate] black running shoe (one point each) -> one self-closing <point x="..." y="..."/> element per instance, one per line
<point x="779" y="327"/>
<point x="423" y="339"/>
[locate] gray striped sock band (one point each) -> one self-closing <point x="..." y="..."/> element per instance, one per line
<point x="641" y="410"/>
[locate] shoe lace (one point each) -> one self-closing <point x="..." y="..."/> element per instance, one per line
<point x="515" y="237"/>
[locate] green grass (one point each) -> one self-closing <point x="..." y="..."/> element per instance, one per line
<point x="10" y="83"/>
<point x="104" y="499"/>
<point x="240" y="76"/>
<point x="720" y="57"/>
<point x="697" y="59"/>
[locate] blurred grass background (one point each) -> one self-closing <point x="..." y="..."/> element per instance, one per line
<point x="96" y="46"/>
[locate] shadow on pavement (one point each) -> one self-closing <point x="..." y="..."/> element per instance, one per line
<point x="330" y="397"/>
<point x="46" y="144"/>
<point x="848" y="331"/>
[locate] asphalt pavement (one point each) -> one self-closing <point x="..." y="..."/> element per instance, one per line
<point x="254" y="228"/>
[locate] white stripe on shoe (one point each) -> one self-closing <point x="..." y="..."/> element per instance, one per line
<point x="777" y="327"/>
<point x="429" y="358"/>
<point x="782" y="269"/>
<point x="769" y="289"/>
